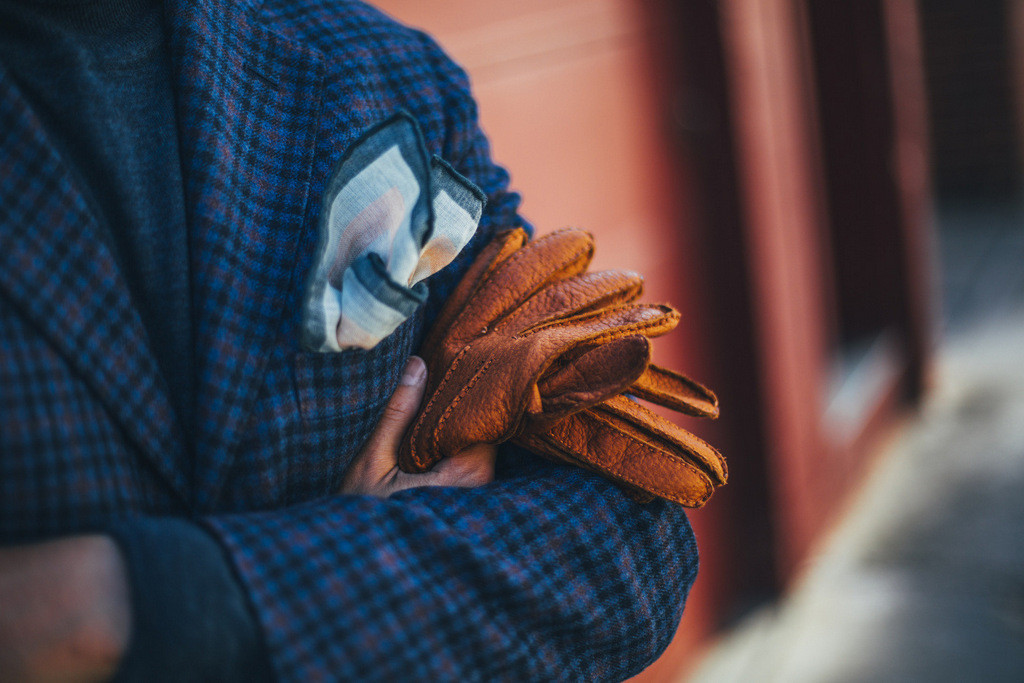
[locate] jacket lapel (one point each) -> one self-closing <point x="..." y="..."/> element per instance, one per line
<point x="248" y="102"/>
<point x="57" y="270"/>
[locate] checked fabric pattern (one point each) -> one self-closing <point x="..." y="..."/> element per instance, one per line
<point x="547" y="574"/>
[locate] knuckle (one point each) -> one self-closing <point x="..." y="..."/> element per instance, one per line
<point x="392" y="415"/>
<point x="472" y="474"/>
<point x="405" y="400"/>
<point x="394" y="418"/>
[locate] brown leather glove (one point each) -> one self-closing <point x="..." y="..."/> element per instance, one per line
<point x="527" y="338"/>
<point x="531" y="347"/>
<point x="642" y="451"/>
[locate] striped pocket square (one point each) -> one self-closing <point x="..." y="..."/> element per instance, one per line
<point x="392" y="215"/>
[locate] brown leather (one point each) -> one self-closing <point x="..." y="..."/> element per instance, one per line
<point x="521" y="311"/>
<point x="530" y="346"/>
<point x="641" y="450"/>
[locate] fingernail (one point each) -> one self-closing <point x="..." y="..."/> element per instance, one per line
<point x="415" y="371"/>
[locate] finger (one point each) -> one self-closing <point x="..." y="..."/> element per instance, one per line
<point x="470" y="467"/>
<point x="631" y="418"/>
<point x="615" y="322"/>
<point x="551" y="258"/>
<point x="398" y="415"/>
<point x="494" y="253"/>
<point x="578" y="295"/>
<point x="600" y="372"/>
<point x="676" y="391"/>
<point x="602" y="441"/>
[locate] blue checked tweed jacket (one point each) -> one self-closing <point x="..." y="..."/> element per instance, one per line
<point x="549" y="573"/>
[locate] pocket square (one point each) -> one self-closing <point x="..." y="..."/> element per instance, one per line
<point x="391" y="216"/>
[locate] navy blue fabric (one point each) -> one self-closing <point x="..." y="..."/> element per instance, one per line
<point x="97" y="75"/>
<point x="550" y="573"/>
<point x="190" y="618"/>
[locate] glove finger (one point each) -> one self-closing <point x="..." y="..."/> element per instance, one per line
<point x="548" y="259"/>
<point x="557" y="452"/>
<point x="616" y="452"/>
<point x="558" y="337"/>
<point x="500" y="248"/>
<point x="487" y="407"/>
<point x="632" y="418"/>
<point x="673" y="390"/>
<point x="577" y="295"/>
<point x="597" y="374"/>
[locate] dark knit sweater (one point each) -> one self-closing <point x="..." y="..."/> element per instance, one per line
<point x="97" y="75"/>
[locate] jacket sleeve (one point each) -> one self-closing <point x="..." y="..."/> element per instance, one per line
<point x="549" y="573"/>
<point x="191" y="619"/>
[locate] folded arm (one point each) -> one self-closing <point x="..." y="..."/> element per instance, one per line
<point x="546" y="573"/>
<point x="160" y="602"/>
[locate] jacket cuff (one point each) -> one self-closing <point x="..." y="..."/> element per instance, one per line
<point x="190" y="617"/>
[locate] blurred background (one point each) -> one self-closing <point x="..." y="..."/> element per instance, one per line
<point x="830" y="192"/>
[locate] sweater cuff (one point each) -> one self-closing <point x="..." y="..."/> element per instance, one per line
<point x="190" y="617"/>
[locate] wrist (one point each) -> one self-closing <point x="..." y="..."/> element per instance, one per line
<point x="103" y="639"/>
<point x="67" y="614"/>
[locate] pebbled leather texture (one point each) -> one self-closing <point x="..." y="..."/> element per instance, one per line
<point x="533" y="348"/>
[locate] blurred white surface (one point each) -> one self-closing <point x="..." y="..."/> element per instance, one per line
<point x="923" y="579"/>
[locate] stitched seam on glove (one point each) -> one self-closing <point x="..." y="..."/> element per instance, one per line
<point x="525" y="252"/>
<point x="652" y="420"/>
<point x="657" y="490"/>
<point x="418" y="425"/>
<point x="447" y="412"/>
<point x="701" y="475"/>
<point x="619" y="331"/>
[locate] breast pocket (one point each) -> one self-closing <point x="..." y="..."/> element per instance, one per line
<point x="341" y="396"/>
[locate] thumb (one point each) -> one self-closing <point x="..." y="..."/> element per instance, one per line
<point x="398" y="414"/>
<point x="600" y="372"/>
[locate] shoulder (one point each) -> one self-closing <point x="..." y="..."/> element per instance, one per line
<point x="383" y="61"/>
<point x="340" y="26"/>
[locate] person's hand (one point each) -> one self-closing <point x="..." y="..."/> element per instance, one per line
<point x="64" y="610"/>
<point x="375" y="470"/>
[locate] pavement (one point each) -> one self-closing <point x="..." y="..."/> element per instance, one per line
<point x="923" y="578"/>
